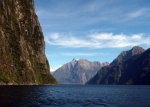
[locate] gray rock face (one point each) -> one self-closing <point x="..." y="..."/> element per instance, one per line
<point x="127" y="54"/>
<point x="77" y="71"/>
<point x="134" y="70"/>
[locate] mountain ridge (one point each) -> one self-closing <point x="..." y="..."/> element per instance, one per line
<point x="134" y="70"/>
<point x="77" y="71"/>
<point x="124" y="55"/>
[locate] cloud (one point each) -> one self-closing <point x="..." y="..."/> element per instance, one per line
<point x="110" y="40"/>
<point x="85" y="54"/>
<point x="54" y="36"/>
<point x="66" y="40"/>
<point x="136" y="14"/>
<point x="55" y="68"/>
<point x="97" y="40"/>
<point x="139" y="13"/>
<point x="79" y="54"/>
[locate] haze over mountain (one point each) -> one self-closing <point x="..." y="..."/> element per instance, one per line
<point x="77" y="71"/>
<point x="22" y="46"/>
<point x="134" y="69"/>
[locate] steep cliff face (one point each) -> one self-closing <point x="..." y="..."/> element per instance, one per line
<point x="22" y="47"/>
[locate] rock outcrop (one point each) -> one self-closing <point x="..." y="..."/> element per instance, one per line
<point x="134" y="70"/>
<point x="77" y="71"/>
<point x="127" y="54"/>
<point x="22" y="47"/>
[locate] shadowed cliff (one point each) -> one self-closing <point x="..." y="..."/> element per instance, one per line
<point x="134" y="69"/>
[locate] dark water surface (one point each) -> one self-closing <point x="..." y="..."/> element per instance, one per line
<point x="75" y="96"/>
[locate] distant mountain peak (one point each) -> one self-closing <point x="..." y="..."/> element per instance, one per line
<point x="82" y="59"/>
<point x="75" y="59"/>
<point x="77" y="71"/>
<point x="134" y="70"/>
<point x="124" y="55"/>
<point x="137" y="49"/>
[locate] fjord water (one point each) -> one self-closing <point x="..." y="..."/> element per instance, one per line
<point x="75" y="96"/>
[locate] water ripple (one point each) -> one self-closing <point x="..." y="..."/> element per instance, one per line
<point x="74" y="96"/>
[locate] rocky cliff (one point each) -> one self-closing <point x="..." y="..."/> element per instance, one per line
<point x="77" y="71"/>
<point x="22" y="47"/>
<point x="124" y="55"/>
<point x="133" y="70"/>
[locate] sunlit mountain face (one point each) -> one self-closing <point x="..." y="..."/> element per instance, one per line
<point x="77" y="71"/>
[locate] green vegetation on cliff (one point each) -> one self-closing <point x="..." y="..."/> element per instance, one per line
<point x="22" y="47"/>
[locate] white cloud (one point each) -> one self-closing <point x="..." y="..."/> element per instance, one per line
<point x="79" y="54"/>
<point x="55" y="68"/>
<point x="54" y="36"/>
<point x="110" y="40"/>
<point x="138" y="13"/>
<point x="141" y="13"/>
<point x="98" y="40"/>
<point x="84" y="54"/>
<point x="66" y="41"/>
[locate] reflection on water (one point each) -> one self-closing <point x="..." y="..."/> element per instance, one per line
<point x="75" y="96"/>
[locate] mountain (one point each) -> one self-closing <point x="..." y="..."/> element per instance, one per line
<point x="127" y="54"/>
<point x="77" y="71"/>
<point x="22" y="46"/>
<point x="134" y="70"/>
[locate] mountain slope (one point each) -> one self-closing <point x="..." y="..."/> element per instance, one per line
<point x="77" y="71"/>
<point x="127" y="54"/>
<point x="135" y="70"/>
<point x="22" y="47"/>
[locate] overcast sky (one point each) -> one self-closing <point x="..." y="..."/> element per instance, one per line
<point x="97" y="30"/>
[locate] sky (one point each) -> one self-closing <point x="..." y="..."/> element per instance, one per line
<point x="96" y="30"/>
